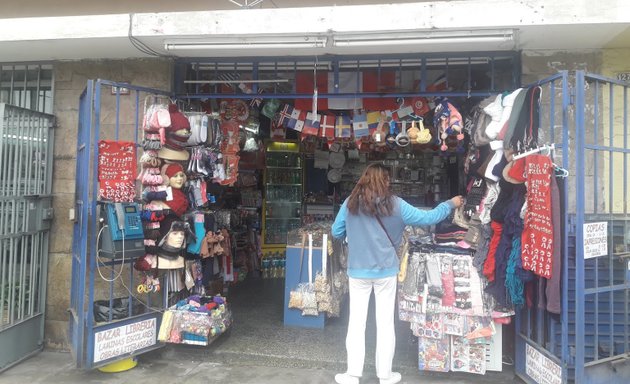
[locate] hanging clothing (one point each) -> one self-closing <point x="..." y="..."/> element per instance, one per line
<point x="512" y="225"/>
<point x="482" y="247"/>
<point x="537" y="240"/>
<point x="497" y="215"/>
<point x="549" y="290"/>
<point x="526" y="128"/>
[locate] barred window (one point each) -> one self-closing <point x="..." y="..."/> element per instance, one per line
<point x="28" y="86"/>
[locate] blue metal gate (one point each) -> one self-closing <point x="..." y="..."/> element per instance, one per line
<point x="589" y="342"/>
<point x="107" y="111"/>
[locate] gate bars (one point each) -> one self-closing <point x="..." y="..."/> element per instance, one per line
<point x="589" y="341"/>
<point x="26" y="151"/>
<point x="121" y="121"/>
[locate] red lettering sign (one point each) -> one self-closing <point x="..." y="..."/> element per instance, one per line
<point x="537" y="237"/>
<point x="117" y="170"/>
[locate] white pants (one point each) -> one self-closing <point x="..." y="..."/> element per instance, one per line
<point x="385" y="296"/>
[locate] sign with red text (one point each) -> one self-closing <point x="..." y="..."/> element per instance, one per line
<point x="117" y="170"/>
<point x="124" y="340"/>
<point x="595" y="239"/>
<point x="537" y="237"/>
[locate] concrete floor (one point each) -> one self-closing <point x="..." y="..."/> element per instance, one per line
<point x="258" y="349"/>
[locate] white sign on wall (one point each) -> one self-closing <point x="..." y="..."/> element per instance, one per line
<point x="124" y="340"/>
<point x="540" y="368"/>
<point x="595" y="239"/>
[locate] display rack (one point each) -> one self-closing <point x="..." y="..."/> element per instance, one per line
<point x="282" y="204"/>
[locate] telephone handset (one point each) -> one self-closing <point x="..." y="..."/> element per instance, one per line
<point x="120" y="216"/>
<point x="124" y="221"/>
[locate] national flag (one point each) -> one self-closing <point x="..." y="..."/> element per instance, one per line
<point x="420" y="106"/>
<point x="327" y="127"/>
<point x="285" y="114"/>
<point x="439" y="84"/>
<point x="347" y="82"/>
<point x="360" y="125"/>
<point x="379" y="82"/>
<point x="343" y="127"/>
<point x="304" y="84"/>
<point x="311" y="124"/>
<point x="256" y="101"/>
<point x="278" y="132"/>
<point x="296" y="122"/>
<point x="369" y="81"/>
<point x="373" y="119"/>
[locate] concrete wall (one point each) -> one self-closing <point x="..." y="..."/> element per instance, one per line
<point x="70" y="80"/>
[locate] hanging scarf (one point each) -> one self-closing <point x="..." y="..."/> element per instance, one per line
<point x="489" y="264"/>
<point x="537" y="239"/>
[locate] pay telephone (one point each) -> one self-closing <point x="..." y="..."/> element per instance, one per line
<point x="123" y="237"/>
<point x="124" y="217"/>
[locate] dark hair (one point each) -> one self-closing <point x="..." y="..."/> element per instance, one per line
<point x="371" y="195"/>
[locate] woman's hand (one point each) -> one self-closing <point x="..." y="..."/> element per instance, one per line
<point x="457" y="201"/>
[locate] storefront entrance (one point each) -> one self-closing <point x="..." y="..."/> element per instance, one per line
<point x="261" y="204"/>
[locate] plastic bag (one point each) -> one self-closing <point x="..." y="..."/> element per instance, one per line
<point x="295" y="297"/>
<point x="119" y="310"/>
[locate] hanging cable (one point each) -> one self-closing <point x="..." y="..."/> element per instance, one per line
<point x="141" y="46"/>
<point x="98" y="257"/>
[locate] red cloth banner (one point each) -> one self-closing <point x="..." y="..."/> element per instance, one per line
<point x="372" y="82"/>
<point x="537" y="237"/>
<point x="117" y="170"/>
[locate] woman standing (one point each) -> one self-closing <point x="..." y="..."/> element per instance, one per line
<point x="367" y="218"/>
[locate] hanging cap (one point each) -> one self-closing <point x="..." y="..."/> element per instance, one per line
<point x="514" y="171"/>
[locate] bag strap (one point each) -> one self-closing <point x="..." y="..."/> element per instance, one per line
<point x="302" y="257"/>
<point x="382" y="226"/>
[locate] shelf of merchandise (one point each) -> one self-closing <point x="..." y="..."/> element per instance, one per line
<point x="282" y="203"/>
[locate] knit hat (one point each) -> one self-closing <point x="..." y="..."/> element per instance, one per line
<point x="179" y="131"/>
<point x="508" y="103"/>
<point x="495" y="110"/>
<point x="173" y="169"/>
<point x="514" y="172"/>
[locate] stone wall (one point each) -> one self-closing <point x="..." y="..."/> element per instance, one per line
<point x="70" y="81"/>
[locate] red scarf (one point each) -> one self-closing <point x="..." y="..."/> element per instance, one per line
<point x="490" y="264"/>
<point x="537" y="238"/>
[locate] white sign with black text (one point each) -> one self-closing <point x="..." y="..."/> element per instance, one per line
<point x="540" y="368"/>
<point x="595" y="239"/>
<point x="125" y="339"/>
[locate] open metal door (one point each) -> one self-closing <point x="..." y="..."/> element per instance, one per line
<point x="26" y="156"/>
<point x="589" y="342"/>
<point x="602" y="257"/>
<point x="107" y="111"/>
<point x="541" y="338"/>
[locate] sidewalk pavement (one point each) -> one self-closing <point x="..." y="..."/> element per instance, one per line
<point x="155" y="368"/>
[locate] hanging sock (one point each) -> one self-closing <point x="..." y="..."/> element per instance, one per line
<point x="200" y="233"/>
<point x="513" y="283"/>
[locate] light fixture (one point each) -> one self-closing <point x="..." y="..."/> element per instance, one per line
<point x="257" y="42"/>
<point x="424" y="38"/>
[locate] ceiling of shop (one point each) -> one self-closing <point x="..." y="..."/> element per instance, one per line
<point x="39" y="8"/>
<point x="78" y="29"/>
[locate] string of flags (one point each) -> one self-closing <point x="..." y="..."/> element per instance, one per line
<point x="360" y="124"/>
